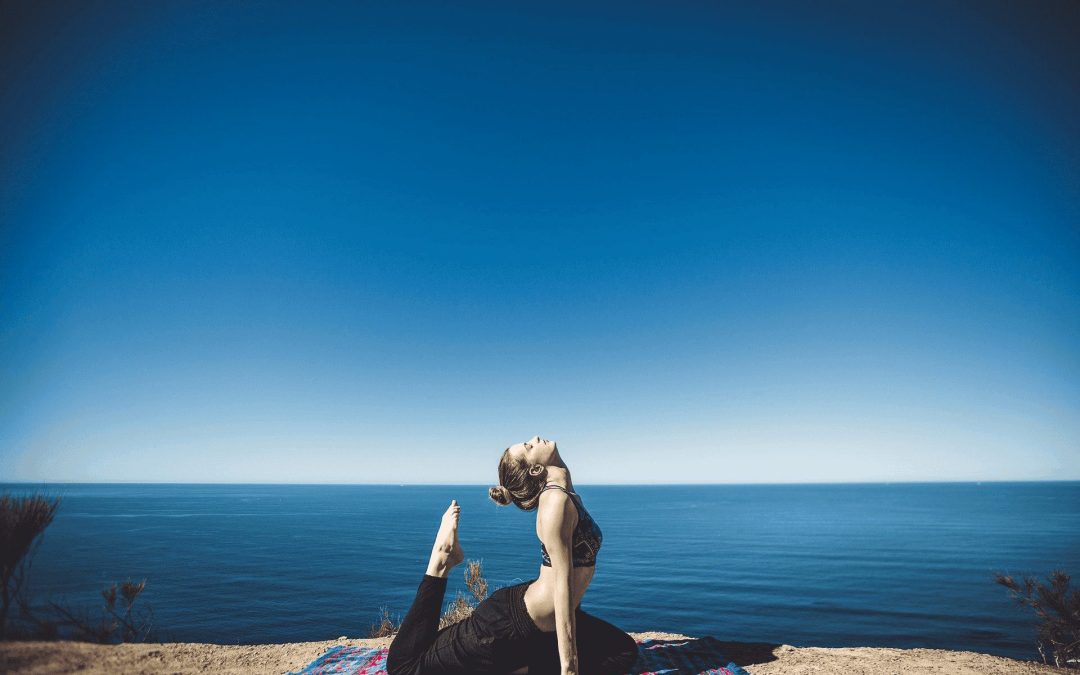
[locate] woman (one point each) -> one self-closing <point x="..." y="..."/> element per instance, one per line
<point x="534" y="627"/>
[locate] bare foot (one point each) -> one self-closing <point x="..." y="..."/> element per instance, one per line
<point x="447" y="551"/>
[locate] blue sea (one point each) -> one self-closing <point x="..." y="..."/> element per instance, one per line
<point x="898" y="565"/>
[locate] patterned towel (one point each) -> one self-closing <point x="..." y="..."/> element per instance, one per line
<point x="655" y="657"/>
<point x="350" y="660"/>
<point x="702" y="656"/>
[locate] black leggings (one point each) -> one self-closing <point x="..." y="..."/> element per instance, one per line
<point x="499" y="637"/>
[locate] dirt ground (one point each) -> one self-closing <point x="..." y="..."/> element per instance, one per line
<point x="40" y="658"/>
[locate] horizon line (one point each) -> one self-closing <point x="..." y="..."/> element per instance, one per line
<point x="660" y="484"/>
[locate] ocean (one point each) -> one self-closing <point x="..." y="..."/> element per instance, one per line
<point x="896" y="565"/>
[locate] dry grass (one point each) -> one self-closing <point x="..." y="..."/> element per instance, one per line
<point x="461" y="607"/>
<point x="385" y="627"/>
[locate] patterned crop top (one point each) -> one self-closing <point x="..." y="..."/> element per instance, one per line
<point x="587" y="535"/>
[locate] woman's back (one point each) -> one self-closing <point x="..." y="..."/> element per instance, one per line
<point x="539" y="598"/>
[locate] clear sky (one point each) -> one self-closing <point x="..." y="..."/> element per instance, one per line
<point x="692" y="242"/>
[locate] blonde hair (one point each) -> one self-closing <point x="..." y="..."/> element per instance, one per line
<point x="517" y="484"/>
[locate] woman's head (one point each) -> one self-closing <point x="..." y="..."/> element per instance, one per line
<point x="523" y="472"/>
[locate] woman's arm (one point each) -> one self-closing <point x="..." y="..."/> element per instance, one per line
<point x="557" y="522"/>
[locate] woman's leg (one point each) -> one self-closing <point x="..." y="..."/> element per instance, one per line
<point x="419" y="627"/>
<point x="603" y="649"/>
<point x="543" y="655"/>
<point x="421" y="624"/>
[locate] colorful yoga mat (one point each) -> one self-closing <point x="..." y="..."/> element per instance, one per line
<point x="655" y="657"/>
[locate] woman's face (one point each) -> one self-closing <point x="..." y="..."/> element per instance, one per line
<point x="536" y="450"/>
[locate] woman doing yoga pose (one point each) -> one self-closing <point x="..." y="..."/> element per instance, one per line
<point x="537" y="626"/>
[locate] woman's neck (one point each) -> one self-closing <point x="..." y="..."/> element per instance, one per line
<point x="560" y="475"/>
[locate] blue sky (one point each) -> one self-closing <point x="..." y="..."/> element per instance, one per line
<point x="692" y="242"/>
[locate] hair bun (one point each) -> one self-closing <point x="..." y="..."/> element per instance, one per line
<point x="500" y="495"/>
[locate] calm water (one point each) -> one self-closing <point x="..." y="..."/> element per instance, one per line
<point x="905" y="565"/>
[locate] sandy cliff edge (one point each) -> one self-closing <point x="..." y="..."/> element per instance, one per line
<point x="39" y="658"/>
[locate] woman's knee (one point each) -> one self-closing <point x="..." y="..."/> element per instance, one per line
<point x="629" y="657"/>
<point x="395" y="665"/>
<point x="623" y="654"/>
<point x="613" y="655"/>
<point x="392" y="665"/>
<point x="629" y="653"/>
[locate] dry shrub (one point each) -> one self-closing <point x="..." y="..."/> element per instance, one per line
<point x="385" y="627"/>
<point x="1058" y="611"/>
<point x="22" y="522"/>
<point x="114" y="624"/>
<point x="461" y="606"/>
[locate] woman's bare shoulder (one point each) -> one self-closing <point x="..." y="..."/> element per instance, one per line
<point x="556" y="511"/>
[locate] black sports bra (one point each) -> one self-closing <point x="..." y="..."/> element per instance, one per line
<point x="587" y="535"/>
